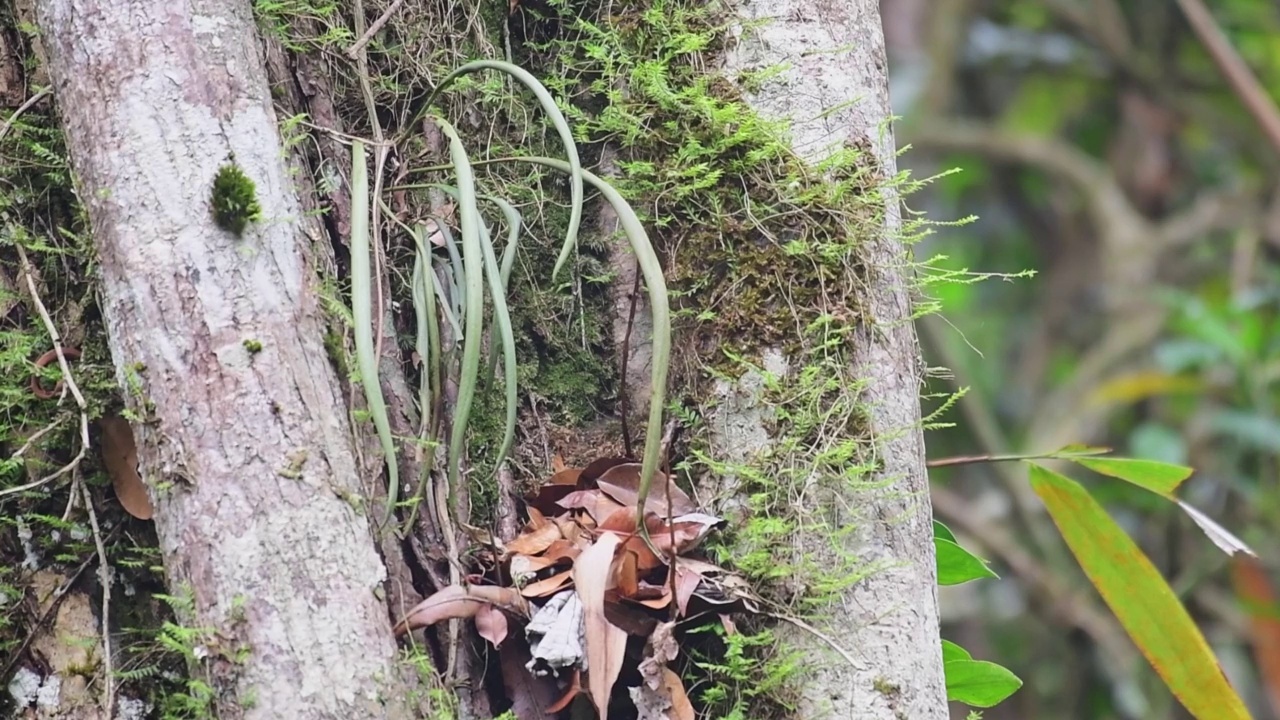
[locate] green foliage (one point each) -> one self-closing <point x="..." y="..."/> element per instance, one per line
<point x="978" y="683"/>
<point x="234" y="199"/>
<point x="957" y="565"/>
<point x="1140" y="598"/>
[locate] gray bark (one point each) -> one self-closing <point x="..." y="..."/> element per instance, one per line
<point x="833" y="54"/>
<point x="248" y="456"/>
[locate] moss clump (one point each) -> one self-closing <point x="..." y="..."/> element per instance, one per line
<point x="235" y="200"/>
<point x="253" y="346"/>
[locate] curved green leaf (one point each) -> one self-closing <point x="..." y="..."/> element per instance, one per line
<point x="957" y="565"/>
<point x="659" y="312"/>
<point x="979" y="683"/>
<point x="1158" y="477"/>
<point x="952" y="651"/>
<point x="362" y="315"/>
<point x="942" y="531"/>
<point x="1140" y="598"/>
<point x="548" y="103"/>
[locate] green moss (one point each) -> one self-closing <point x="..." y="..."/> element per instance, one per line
<point x="234" y="200"/>
<point x="253" y="346"/>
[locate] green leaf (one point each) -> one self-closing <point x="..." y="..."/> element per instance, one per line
<point x="1076" y="450"/>
<point x="1140" y="598"/>
<point x="1158" y="477"/>
<point x="957" y="565"/>
<point x="979" y="683"/>
<point x="942" y="531"/>
<point x="952" y="651"/>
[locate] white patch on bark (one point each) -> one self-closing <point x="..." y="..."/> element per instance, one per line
<point x="832" y="89"/>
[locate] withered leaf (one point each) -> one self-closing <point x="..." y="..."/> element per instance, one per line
<point x="606" y="642"/>
<point x="491" y="624"/>
<point x="622" y="483"/>
<point x="547" y="586"/>
<point x="596" y="468"/>
<point x="457" y="601"/>
<point x="120" y="456"/>
<point x="535" y="541"/>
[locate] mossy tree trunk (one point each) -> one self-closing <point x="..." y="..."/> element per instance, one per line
<point x="217" y="340"/>
<point x="832" y="91"/>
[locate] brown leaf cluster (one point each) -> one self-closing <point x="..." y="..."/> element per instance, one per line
<point x="594" y="596"/>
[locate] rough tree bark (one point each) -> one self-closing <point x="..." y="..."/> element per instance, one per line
<point x="833" y="89"/>
<point x="247" y="452"/>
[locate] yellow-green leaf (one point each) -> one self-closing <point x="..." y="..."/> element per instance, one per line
<point x="1140" y="598"/>
<point x="1158" y="477"/>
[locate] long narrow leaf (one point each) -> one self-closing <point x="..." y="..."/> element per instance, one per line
<point x="1140" y="598"/>
<point x="502" y="322"/>
<point x="362" y="313"/>
<point x="656" y="285"/>
<point x="548" y="103"/>
<point x="514" y="221"/>
<point x="473" y="271"/>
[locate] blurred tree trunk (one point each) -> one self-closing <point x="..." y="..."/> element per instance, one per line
<point x="244" y="442"/>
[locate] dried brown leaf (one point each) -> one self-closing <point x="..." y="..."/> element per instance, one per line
<point x="606" y="642"/>
<point x="491" y="624"/>
<point x="628" y="580"/>
<point x="447" y="604"/>
<point x="536" y="519"/>
<point x="681" y="708"/>
<point x="622" y="483"/>
<point x="557" y="463"/>
<point x="535" y="541"/>
<point x="120" y="456"/>
<point x="547" y="586"/>
<point x="596" y="468"/>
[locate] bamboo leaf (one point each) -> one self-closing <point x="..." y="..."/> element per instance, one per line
<point x="1158" y="477"/>
<point x="1140" y="598"/>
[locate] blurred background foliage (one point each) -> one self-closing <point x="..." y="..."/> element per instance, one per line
<point x="1103" y="146"/>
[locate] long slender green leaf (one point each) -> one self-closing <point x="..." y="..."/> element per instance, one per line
<point x="502" y="322"/>
<point x="1158" y="477"/>
<point x="548" y="103"/>
<point x="362" y="314"/>
<point x="473" y="271"/>
<point x="1142" y="601"/>
<point x="656" y="285"/>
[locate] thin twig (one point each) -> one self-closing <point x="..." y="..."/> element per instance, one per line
<point x="35" y="437"/>
<point x="104" y="576"/>
<point x="358" y="45"/>
<point x="1233" y="67"/>
<point x="8" y="123"/>
<point x="69" y="381"/>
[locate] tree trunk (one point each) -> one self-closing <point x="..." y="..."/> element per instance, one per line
<point x="244" y="442"/>
<point x="834" y="93"/>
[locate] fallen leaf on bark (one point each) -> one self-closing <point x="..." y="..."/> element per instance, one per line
<point x="120" y="456"/>
<point x="571" y="692"/>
